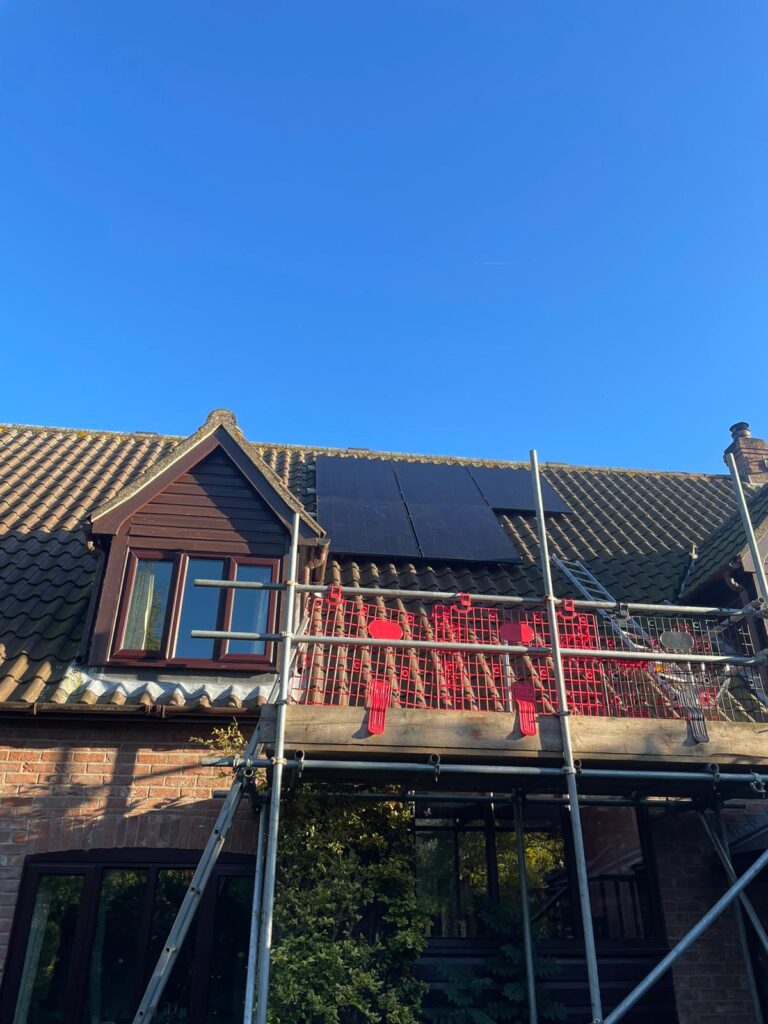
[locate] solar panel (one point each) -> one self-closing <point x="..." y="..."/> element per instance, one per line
<point x="364" y="526"/>
<point x="434" y="483"/>
<point x="338" y="477"/>
<point x="511" y="490"/>
<point x="467" y="533"/>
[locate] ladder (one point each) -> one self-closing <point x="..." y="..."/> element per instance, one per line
<point x="624" y="628"/>
<point x="631" y="634"/>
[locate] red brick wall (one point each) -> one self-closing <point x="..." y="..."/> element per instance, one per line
<point x="75" y="787"/>
<point x="709" y="979"/>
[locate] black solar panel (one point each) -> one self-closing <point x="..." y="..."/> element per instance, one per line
<point x="337" y="477"/>
<point x="437" y="484"/>
<point x="511" y="490"/>
<point x="467" y="533"/>
<point x="367" y="526"/>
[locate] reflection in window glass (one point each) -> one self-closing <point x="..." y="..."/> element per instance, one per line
<point x="618" y="882"/>
<point x="229" y="950"/>
<point x="473" y="883"/>
<point x="116" y="958"/>
<point x="172" y="884"/>
<point x="436" y="868"/>
<point x="548" y="888"/>
<point x="50" y="950"/>
<point x="250" y="609"/>
<point x="199" y="607"/>
<point x="145" y="621"/>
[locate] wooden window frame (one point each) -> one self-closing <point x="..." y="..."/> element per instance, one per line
<point x="93" y="865"/>
<point x="221" y="659"/>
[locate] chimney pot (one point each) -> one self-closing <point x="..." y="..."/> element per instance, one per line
<point x="740" y="430"/>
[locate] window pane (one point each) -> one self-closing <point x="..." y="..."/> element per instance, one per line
<point x="50" y="950"/>
<point x="473" y="883"/>
<point x="618" y="884"/>
<point x="149" y="603"/>
<point x="116" y="959"/>
<point x="172" y="884"/>
<point x="548" y="889"/>
<point x="199" y="607"/>
<point x="436" y="870"/>
<point x="229" y="950"/>
<point x="249" y="609"/>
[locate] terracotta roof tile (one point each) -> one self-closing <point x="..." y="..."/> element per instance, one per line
<point x="635" y="529"/>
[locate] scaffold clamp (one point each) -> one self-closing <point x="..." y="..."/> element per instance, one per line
<point x="434" y="760"/>
<point x="757" y="785"/>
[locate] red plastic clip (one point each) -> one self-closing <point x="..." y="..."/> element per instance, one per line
<point x="567" y="608"/>
<point x="465" y="602"/>
<point x="525" y="700"/>
<point x="333" y="595"/>
<point x="377" y="702"/>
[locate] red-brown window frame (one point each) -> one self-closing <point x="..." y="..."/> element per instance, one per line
<point x="180" y="559"/>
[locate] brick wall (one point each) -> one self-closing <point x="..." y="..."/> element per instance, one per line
<point x="74" y="787"/>
<point x="710" y="984"/>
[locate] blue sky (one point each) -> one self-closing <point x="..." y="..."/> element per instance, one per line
<point x="457" y="226"/>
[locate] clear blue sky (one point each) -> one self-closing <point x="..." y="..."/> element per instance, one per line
<point x="459" y="226"/>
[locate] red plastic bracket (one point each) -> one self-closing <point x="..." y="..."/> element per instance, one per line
<point x="333" y="595"/>
<point x="465" y="602"/>
<point x="377" y="702"/>
<point x="525" y="700"/>
<point x="567" y="608"/>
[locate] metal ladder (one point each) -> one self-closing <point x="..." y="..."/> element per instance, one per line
<point x="632" y="635"/>
<point x="624" y="628"/>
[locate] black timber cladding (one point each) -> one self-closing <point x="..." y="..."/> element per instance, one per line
<point x="409" y="510"/>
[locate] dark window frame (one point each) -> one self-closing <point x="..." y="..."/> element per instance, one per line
<point x="222" y="658"/>
<point x="93" y="865"/>
<point x="489" y="825"/>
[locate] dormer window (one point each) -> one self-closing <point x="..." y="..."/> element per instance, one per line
<point x="161" y="606"/>
<point x="211" y="509"/>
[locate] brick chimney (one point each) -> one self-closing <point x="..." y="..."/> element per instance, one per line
<point x="751" y="454"/>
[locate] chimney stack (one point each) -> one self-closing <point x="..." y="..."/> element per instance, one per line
<point x="750" y="453"/>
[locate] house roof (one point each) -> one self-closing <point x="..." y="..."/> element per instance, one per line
<point x="634" y="528"/>
<point x="727" y="543"/>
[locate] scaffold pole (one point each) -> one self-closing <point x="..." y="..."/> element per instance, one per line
<point x="569" y="765"/>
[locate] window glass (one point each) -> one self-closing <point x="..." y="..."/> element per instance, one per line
<point x="250" y="609"/>
<point x="229" y="949"/>
<point x="618" y="882"/>
<point x="116" y="960"/>
<point x="147" y="611"/>
<point x="50" y="950"/>
<point x="548" y="888"/>
<point x="172" y="885"/>
<point x="436" y="867"/>
<point x="199" y="608"/>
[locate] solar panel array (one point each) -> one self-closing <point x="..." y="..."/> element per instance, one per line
<point x="423" y="510"/>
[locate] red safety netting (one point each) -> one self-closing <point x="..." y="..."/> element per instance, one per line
<point x="380" y="677"/>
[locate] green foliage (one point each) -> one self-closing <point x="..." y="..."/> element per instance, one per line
<point x="494" y="992"/>
<point x="349" y="920"/>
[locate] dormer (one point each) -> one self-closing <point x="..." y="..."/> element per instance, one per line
<point x="212" y="509"/>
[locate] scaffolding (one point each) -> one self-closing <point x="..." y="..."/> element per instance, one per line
<point x="542" y="656"/>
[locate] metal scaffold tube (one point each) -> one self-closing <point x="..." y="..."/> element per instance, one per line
<point x="720" y="844"/>
<point x="746" y="520"/>
<point x="525" y="913"/>
<point x="270" y="863"/>
<point x="688" y="939"/>
<point x="256" y="905"/>
<point x="569" y="765"/>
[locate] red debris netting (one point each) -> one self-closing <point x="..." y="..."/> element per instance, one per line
<point x="385" y="677"/>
